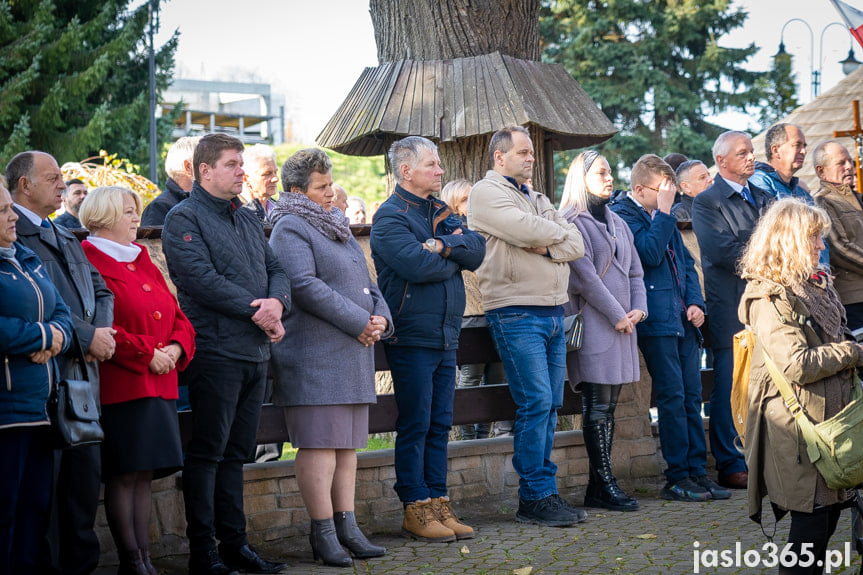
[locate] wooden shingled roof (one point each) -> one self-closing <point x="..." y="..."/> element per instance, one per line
<point x="445" y="100"/>
<point x="818" y="119"/>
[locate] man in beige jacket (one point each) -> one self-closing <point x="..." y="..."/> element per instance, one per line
<point x="524" y="280"/>
<point x="836" y="194"/>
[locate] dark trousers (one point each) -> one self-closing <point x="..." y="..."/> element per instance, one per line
<point x="674" y="366"/>
<point x="72" y="544"/>
<point x="722" y="433"/>
<point x="25" y="495"/>
<point x="424" y="385"/>
<point x="814" y="528"/>
<point x="226" y="396"/>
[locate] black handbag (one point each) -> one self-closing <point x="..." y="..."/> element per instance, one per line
<point x="573" y="325"/>
<point x="74" y="411"/>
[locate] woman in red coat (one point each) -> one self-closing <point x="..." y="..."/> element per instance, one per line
<point x="139" y="384"/>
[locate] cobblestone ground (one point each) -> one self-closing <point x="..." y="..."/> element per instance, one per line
<point x="658" y="539"/>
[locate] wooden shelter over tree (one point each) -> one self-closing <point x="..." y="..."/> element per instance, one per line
<point x="456" y="71"/>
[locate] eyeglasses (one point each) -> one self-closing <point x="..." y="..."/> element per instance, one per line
<point x="654" y="189"/>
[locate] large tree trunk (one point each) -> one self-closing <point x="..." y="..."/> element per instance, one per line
<point x="447" y="29"/>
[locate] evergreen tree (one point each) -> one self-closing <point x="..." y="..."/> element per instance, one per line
<point x="779" y="90"/>
<point x="74" y="79"/>
<point x="655" y="68"/>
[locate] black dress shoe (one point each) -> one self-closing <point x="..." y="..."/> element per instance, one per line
<point x="246" y="559"/>
<point x="208" y="563"/>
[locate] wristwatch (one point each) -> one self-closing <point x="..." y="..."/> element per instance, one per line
<point x="430" y="244"/>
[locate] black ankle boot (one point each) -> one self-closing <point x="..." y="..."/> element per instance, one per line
<point x="325" y="544"/>
<point x="603" y="490"/>
<point x="350" y="536"/>
<point x="131" y="563"/>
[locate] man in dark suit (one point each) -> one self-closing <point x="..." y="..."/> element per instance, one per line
<point x="36" y="184"/>
<point x="723" y="217"/>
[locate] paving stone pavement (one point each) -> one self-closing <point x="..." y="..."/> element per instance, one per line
<point x="658" y="539"/>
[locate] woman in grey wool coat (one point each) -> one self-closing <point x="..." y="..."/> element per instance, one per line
<point x="324" y="368"/>
<point x="607" y="286"/>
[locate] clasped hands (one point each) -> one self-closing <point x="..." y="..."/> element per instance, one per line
<point x="57" y="339"/>
<point x="269" y="318"/>
<point x="627" y="324"/>
<point x="376" y="326"/>
<point x="165" y="358"/>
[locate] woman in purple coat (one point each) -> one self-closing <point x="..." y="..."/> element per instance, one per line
<point x="606" y="286"/>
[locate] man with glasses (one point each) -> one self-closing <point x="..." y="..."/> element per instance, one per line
<point x="669" y="338"/>
<point x="723" y="217"/>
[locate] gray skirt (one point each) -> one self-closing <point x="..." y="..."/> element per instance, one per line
<point x="328" y="426"/>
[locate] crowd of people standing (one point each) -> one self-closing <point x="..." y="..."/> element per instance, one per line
<point x="265" y="308"/>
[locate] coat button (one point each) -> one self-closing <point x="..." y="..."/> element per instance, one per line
<point x="88" y="313"/>
<point x="131" y="267"/>
<point x="367" y="291"/>
<point x="146" y="288"/>
<point x="157" y="315"/>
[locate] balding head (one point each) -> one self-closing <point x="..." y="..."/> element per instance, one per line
<point x="833" y="163"/>
<point x="36" y="182"/>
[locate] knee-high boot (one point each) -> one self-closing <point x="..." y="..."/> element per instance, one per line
<point x="598" y="430"/>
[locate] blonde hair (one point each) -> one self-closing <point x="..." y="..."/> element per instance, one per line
<point x="574" y="187"/>
<point x="103" y="207"/>
<point x="454" y="191"/>
<point x="780" y="248"/>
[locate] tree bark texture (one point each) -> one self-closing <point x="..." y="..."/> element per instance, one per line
<point x="447" y="29"/>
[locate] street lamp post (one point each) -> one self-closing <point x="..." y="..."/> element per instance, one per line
<point x="848" y="65"/>
<point x="153" y="24"/>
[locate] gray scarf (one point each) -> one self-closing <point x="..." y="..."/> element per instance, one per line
<point x="332" y="224"/>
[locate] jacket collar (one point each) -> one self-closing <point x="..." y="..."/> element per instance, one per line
<point x="844" y="189"/>
<point x="175" y="190"/>
<point x="27" y="228"/>
<point x="414" y="200"/>
<point x="771" y="173"/>
<point x="218" y="205"/>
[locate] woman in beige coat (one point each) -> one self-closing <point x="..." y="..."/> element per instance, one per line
<point x="795" y="312"/>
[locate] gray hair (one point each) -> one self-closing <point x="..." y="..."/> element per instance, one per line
<point x="776" y="136"/>
<point x="19" y="167"/>
<point x="259" y="152"/>
<point x="821" y="156"/>
<point x="297" y="170"/>
<point x="686" y="167"/>
<point x="180" y="151"/>
<point x="722" y="145"/>
<point x="502" y="141"/>
<point x="408" y="152"/>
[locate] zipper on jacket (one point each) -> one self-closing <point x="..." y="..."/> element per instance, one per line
<point x="404" y="296"/>
<point x="8" y="373"/>
<point x="39" y="298"/>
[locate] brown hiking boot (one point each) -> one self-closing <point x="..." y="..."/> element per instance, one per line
<point x="449" y="519"/>
<point x="421" y="523"/>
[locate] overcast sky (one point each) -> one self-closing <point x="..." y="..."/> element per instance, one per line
<point x="313" y="52"/>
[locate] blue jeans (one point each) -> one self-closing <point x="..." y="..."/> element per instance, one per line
<point x="533" y="352"/>
<point x="424" y="386"/>
<point x="722" y="432"/>
<point x="674" y="365"/>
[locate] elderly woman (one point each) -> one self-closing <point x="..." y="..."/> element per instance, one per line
<point x="606" y="286"/>
<point x="35" y="326"/>
<point x="324" y="369"/>
<point x="139" y="384"/>
<point x="784" y="281"/>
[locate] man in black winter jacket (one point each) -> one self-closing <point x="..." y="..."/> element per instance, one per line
<point x="234" y="291"/>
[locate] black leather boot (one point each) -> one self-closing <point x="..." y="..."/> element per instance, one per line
<point x="350" y="536"/>
<point x="325" y="544"/>
<point x="605" y="491"/>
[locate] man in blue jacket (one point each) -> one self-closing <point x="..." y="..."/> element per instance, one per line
<point x="669" y="338"/>
<point x="420" y="249"/>
<point x="233" y="289"/>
